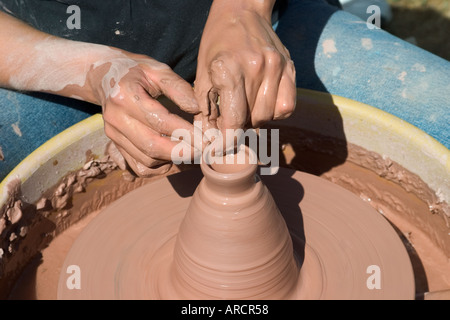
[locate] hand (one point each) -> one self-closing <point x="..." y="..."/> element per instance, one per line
<point x="242" y="61"/>
<point x="125" y="84"/>
<point x="134" y="120"/>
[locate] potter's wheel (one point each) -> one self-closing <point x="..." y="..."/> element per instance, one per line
<point x="344" y="247"/>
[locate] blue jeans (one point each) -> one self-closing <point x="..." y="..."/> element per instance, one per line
<point x="29" y="120"/>
<point x="336" y="52"/>
<point x="333" y="51"/>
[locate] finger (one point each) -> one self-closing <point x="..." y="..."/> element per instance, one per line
<point x="142" y="170"/>
<point x="116" y="156"/>
<point x="123" y="143"/>
<point x="264" y="107"/>
<point x="214" y="101"/>
<point x="175" y="88"/>
<point x="151" y="143"/>
<point x="255" y="69"/>
<point x="152" y="113"/>
<point x="287" y="93"/>
<point x="202" y="88"/>
<point x="228" y="79"/>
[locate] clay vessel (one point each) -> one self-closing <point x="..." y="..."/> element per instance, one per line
<point x="233" y="242"/>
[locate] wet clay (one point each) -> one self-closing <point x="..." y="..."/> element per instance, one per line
<point x="233" y="242"/>
<point x="417" y="214"/>
<point x="39" y="278"/>
<point x="420" y="216"/>
<point x="229" y="241"/>
<point x="27" y="229"/>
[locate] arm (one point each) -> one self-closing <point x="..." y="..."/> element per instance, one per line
<point x="31" y="60"/>
<point x="242" y="60"/>
<point x="126" y="85"/>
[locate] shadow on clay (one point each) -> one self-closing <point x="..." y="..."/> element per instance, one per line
<point x="25" y="287"/>
<point x="420" y="276"/>
<point x="289" y="205"/>
<point x="185" y="182"/>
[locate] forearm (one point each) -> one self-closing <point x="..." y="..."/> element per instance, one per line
<point x="31" y="60"/>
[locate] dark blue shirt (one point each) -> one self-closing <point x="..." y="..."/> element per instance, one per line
<point x="166" y="30"/>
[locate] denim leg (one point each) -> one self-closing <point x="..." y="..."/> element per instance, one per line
<point x="29" y="120"/>
<point x="336" y="52"/>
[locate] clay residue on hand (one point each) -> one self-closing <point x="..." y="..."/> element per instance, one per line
<point x="43" y="69"/>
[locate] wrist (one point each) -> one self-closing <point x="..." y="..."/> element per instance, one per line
<point x="82" y="70"/>
<point x="261" y="7"/>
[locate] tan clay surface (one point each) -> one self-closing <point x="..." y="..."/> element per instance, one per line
<point x="127" y="251"/>
<point x="39" y="279"/>
<point x="398" y="195"/>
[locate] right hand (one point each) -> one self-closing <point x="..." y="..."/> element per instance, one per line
<point x="135" y="121"/>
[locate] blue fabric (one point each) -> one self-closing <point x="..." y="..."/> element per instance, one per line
<point x="333" y="51"/>
<point x="336" y="52"/>
<point x="29" y="120"/>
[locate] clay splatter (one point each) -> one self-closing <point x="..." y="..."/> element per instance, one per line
<point x="432" y="117"/>
<point x="404" y="95"/>
<point x="367" y="43"/>
<point x="2" y="157"/>
<point x="419" y="67"/>
<point x="16" y="129"/>
<point x="329" y="47"/>
<point x="402" y="76"/>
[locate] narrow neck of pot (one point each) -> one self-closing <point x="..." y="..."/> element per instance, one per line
<point x="231" y="176"/>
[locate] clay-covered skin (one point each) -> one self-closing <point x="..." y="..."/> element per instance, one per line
<point x="242" y="61"/>
<point x="140" y="126"/>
